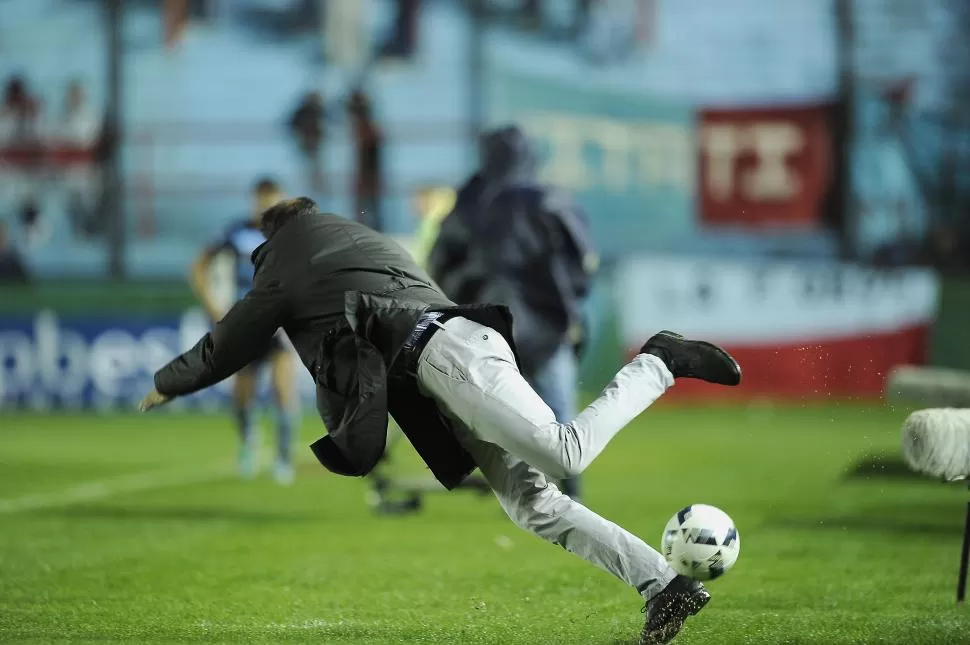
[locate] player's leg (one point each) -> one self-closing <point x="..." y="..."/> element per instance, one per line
<point x="287" y="398"/>
<point x="243" y="397"/>
<point x="556" y="383"/>
<point x="536" y="505"/>
<point x="471" y="372"/>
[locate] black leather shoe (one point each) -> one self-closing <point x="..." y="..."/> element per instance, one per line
<point x="667" y="611"/>
<point x="693" y="358"/>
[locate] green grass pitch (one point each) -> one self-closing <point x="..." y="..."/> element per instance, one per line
<point x="133" y="528"/>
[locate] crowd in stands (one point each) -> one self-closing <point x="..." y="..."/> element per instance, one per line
<point x="603" y="31"/>
<point x="49" y="148"/>
<point x="309" y="125"/>
<point x="30" y="132"/>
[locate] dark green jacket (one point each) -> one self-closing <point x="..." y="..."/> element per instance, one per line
<point x="348" y="298"/>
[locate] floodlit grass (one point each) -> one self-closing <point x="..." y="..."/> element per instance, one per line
<point x="133" y="528"/>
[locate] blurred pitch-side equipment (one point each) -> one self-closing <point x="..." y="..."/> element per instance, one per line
<point x="936" y="440"/>
<point x="929" y="386"/>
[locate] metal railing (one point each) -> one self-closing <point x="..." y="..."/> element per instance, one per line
<point x="149" y="175"/>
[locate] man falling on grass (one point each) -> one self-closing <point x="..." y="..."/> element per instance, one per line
<point x="380" y="338"/>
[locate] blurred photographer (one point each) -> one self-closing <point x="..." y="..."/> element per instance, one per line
<point x="511" y="241"/>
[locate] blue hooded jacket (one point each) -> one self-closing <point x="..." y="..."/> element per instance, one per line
<point x="513" y="242"/>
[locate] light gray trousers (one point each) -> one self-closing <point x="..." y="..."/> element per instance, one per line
<point x="517" y="443"/>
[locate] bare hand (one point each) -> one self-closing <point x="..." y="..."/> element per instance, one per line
<point x="152" y="400"/>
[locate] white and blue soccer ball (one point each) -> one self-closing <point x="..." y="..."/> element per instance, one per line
<point x="701" y="542"/>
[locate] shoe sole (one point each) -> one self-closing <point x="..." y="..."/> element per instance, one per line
<point x="698" y="604"/>
<point x="692" y="606"/>
<point x="703" y="343"/>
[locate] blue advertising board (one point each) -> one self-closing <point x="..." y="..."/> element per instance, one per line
<point x="630" y="160"/>
<point x="100" y="361"/>
<point x="105" y="361"/>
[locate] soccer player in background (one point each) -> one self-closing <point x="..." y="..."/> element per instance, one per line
<point x="238" y="242"/>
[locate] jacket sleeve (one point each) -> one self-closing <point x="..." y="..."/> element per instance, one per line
<point x="237" y="339"/>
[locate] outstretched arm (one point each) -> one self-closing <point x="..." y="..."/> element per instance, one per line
<point x="234" y="342"/>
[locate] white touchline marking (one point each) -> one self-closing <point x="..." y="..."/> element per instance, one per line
<point x="307" y="624"/>
<point x="312" y="624"/>
<point x="110" y="487"/>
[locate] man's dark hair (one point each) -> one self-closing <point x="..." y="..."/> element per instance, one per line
<point x="276" y="216"/>
<point x="266" y="185"/>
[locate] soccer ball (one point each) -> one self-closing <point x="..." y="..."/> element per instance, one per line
<point x="701" y="542"/>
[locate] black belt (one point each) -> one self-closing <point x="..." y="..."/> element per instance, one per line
<point x="428" y="325"/>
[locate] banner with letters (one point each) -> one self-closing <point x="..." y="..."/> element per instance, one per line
<point x="766" y="167"/>
<point x="102" y="361"/>
<point x="629" y="159"/>
<point x="652" y="169"/>
<point x="799" y="329"/>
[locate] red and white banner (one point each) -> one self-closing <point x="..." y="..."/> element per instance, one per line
<point x="799" y="329"/>
<point x="764" y="168"/>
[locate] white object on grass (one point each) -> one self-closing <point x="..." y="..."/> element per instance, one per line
<point x="936" y="442"/>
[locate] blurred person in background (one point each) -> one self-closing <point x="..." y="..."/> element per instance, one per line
<point x="77" y="136"/>
<point x="432" y="205"/>
<point x="513" y="242"/>
<point x="403" y="42"/>
<point x="22" y="170"/>
<point x="36" y="230"/>
<point x="175" y="18"/>
<point x="307" y="125"/>
<point x="240" y="240"/>
<point x="613" y="30"/>
<point x="19" y="114"/>
<point x="531" y="14"/>
<point x="345" y="38"/>
<point x="646" y="21"/>
<point x="368" y="167"/>
<point x="449" y="258"/>
<point x="11" y="264"/>
<point x="80" y="125"/>
<point x="581" y="13"/>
